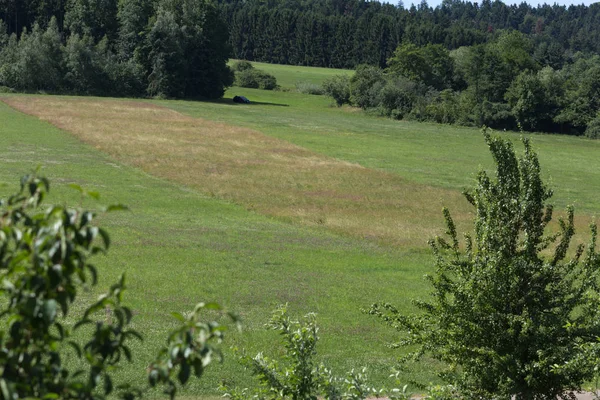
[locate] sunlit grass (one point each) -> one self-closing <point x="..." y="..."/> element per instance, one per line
<point x="179" y="246"/>
<point x="254" y="170"/>
<point x="354" y="199"/>
<point x="288" y="75"/>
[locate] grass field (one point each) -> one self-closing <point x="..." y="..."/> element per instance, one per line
<point x="288" y="75"/>
<point x="179" y="246"/>
<point x="287" y="199"/>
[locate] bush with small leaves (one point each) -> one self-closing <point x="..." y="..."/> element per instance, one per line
<point x="45" y="260"/>
<point x="593" y="128"/>
<point x="338" y="88"/>
<point x="513" y="312"/>
<point x="255" y="79"/>
<point x="242" y="65"/>
<point x="309" y="88"/>
<point x="297" y="375"/>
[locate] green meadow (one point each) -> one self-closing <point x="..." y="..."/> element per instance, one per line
<point x="181" y="243"/>
<point x="288" y="75"/>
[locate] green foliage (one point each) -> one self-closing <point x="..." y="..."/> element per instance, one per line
<point x="506" y="318"/>
<point x="45" y="261"/>
<point x="430" y="65"/>
<point x="362" y="83"/>
<point x="445" y="392"/>
<point x="123" y="48"/>
<point x="39" y="63"/>
<point x="95" y="18"/>
<point x="526" y="96"/>
<point x="399" y="97"/>
<point x="514" y="49"/>
<point x="133" y="17"/>
<point x="582" y="97"/>
<point x="338" y="88"/>
<point x="309" y="88"/>
<point x="242" y="65"/>
<point x="297" y="375"/>
<point x="85" y="73"/>
<point x="255" y="79"/>
<point x="447" y="108"/>
<point x="166" y="57"/>
<point x="593" y="129"/>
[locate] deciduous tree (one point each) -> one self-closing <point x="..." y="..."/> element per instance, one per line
<point x="512" y="310"/>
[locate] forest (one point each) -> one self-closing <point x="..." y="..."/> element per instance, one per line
<point x="504" y="66"/>
<point x="166" y="48"/>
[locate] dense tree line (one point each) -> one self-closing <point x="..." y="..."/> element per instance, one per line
<point x="330" y="33"/>
<point x="346" y="33"/>
<point x="171" y="48"/>
<point x="500" y="84"/>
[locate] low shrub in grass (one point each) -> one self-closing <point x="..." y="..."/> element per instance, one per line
<point x="45" y="254"/>
<point x="338" y="88"/>
<point x="512" y="313"/>
<point x="297" y="374"/>
<point x="309" y="88"/>
<point x="242" y="65"/>
<point x="255" y="79"/>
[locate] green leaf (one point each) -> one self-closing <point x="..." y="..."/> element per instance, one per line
<point x="178" y="316"/>
<point x="184" y="373"/>
<point x="49" y="311"/>
<point x="76" y="187"/>
<point x="94" y="195"/>
<point x="198" y="367"/>
<point x="108" y="385"/>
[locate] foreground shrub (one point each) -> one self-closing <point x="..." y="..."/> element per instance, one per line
<point x="338" y="88"/>
<point x="297" y="375"/>
<point x="508" y="316"/>
<point x="45" y="257"/>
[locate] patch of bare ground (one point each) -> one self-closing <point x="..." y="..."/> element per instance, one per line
<point x="268" y="175"/>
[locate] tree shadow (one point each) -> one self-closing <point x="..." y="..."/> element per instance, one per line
<point x="228" y="101"/>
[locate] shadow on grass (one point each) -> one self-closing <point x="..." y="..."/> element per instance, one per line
<point x="229" y="102"/>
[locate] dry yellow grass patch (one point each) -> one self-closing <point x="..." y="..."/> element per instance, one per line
<point x="259" y="172"/>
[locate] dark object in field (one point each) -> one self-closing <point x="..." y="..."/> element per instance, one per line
<point x="241" y="99"/>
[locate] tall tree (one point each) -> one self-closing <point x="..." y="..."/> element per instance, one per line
<point x="510" y="314"/>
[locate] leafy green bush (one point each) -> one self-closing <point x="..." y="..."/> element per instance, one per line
<point x="510" y="314"/>
<point x="398" y="97"/>
<point x="593" y="128"/>
<point x="445" y="109"/>
<point x="362" y="83"/>
<point x="309" y="88"/>
<point x="255" y="79"/>
<point x="338" y="88"/>
<point x="45" y="255"/>
<point x="242" y="65"/>
<point x="297" y="375"/>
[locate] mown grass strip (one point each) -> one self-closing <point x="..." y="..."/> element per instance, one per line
<point x="262" y="173"/>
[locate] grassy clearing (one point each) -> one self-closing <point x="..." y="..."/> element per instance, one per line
<point x="262" y="173"/>
<point x="288" y="75"/>
<point x="431" y="154"/>
<point x="178" y="247"/>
